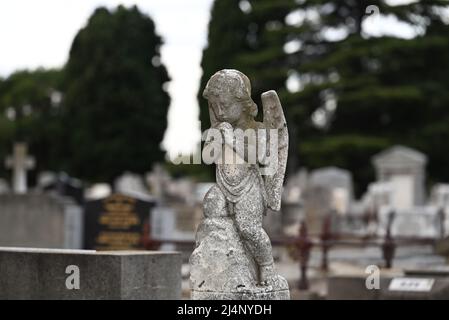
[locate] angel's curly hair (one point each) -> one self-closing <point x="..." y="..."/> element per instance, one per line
<point x="235" y="83"/>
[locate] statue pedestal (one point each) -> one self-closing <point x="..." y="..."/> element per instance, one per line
<point x="269" y="295"/>
<point x="221" y="268"/>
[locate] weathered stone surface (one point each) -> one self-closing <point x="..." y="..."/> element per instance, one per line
<point x="40" y="221"/>
<point x="119" y="275"/>
<point x="404" y="168"/>
<point x="223" y="267"/>
<point x="233" y="255"/>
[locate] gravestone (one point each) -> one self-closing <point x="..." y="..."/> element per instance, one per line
<point x="375" y="206"/>
<point x="439" y="195"/>
<point x="163" y="226"/>
<point x="117" y="222"/>
<point x="176" y="222"/>
<point x="4" y="186"/>
<point x="132" y="185"/>
<point x="404" y="169"/>
<point x="379" y="194"/>
<point x="50" y="274"/>
<point x="158" y="180"/>
<point x="329" y="190"/>
<point x="422" y="222"/>
<point x="293" y="202"/>
<point x="440" y="199"/>
<point x="19" y="162"/>
<point x="442" y="248"/>
<point x="40" y="221"/>
<point x="98" y="191"/>
<point x="166" y="223"/>
<point x="177" y="217"/>
<point x="178" y="210"/>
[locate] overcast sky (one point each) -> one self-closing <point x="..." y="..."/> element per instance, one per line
<point x="39" y="33"/>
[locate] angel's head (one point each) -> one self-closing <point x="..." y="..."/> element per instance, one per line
<point x="229" y="95"/>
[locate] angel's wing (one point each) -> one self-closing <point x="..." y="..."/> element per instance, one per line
<point x="273" y="118"/>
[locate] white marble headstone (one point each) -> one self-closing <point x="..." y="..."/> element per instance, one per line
<point x="404" y="168"/>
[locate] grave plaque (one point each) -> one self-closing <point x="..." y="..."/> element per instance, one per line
<point x="411" y="284"/>
<point x="429" y="283"/>
<point x="116" y="222"/>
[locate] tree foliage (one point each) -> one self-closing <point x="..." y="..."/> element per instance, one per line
<point x="104" y="112"/>
<point x="356" y="93"/>
<point x="245" y="35"/>
<point x="29" y="111"/>
<point x="115" y="105"/>
<point x="370" y="92"/>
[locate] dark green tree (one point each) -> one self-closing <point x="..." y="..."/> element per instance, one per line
<point x="245" y="35"/>
<point x="227" y="38"/>
<point x="357" y="94"/>
<point x="362" y="94"/>
<point x="115" y="103"/>
<point x="29" y="112"/>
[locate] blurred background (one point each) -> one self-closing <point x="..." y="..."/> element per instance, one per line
<point x="97" y="97"/>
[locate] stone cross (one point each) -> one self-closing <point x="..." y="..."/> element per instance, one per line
<point x="19" y="162"/>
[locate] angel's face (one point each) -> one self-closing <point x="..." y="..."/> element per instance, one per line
<point x="226" y="108"/>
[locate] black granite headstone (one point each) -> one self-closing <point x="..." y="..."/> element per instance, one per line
<point x="118" y="222"/>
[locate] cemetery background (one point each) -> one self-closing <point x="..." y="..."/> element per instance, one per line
<point x="368" y="111"/>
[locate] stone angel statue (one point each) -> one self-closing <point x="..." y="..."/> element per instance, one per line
<point x="233" y="255"/>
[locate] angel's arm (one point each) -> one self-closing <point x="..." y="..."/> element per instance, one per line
<point x="243" y="143"/>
